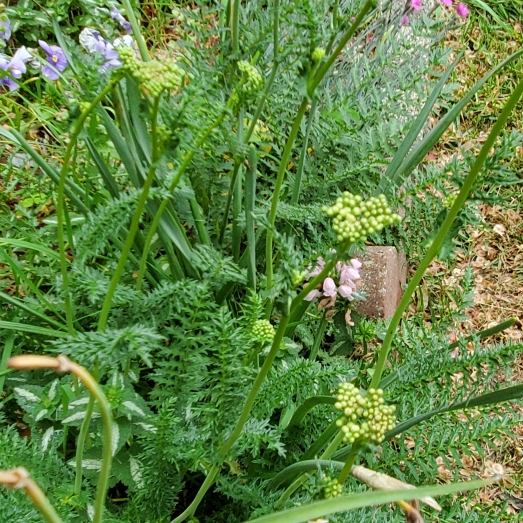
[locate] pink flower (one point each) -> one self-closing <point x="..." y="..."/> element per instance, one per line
<point x="448" y="3"/>
<point x="315" y="293"/>
<point x="348" y="274"/>
<point x="355" y="263"/>
<point x="320" y="264"/>
<point x="329" y="287"/>
<point x="462" y="10"/>
<point x="416" y="4"/>
<point x="345" y="291"/>
<point x="404" y="20"/>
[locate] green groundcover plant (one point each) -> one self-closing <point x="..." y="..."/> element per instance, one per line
<point x="200" y="261"/>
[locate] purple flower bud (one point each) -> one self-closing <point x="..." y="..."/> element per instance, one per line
<point x="56" y="60"/>
<point x="404" y="20"/>
<point x="5" y="29"/>
<point x="15" y="67"/>
<point x="124" y="24"/>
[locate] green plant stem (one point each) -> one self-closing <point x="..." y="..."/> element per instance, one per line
<point x="435" y="247"/>
<point x="80" y="445"/>
<point x="325" y="66"/>
<point x="144" y="53"/>
<point x="318" y="338"/>
<point x="186" y="160"/>
<point x="300" y="480"/>
<point x="313" y="83"/>
<point x="235" y="25"/>
<point x="269" y="271"/>
<point x="351" y="458"/>
<point x="36" y="495"/>
<point x="105" y="411"/>
<point x="301" y="164"/>
<point x="133" y="229"/>
<point x="60" y="204"/>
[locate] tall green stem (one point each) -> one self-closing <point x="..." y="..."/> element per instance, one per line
<point x="269" y="271"/>
<point x="443" y="231"/>
<point x="300" y="480"/>
<point x="351" y="458"/>
<point x="133" y="229"/>
<point x="313" y="83"/>
<point x="186" y="160"/>
<point x="60" y="204"/>
<point x="324" y="68"/>
<point x="80" y="445"/>
<point x="144" y="53"/>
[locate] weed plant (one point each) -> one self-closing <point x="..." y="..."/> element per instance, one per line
<point x="196" y="252"/>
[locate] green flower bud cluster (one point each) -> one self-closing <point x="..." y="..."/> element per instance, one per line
<point x="365" y="418"/>
<point x="263" y="330"/>
<point x="448" y="202"/>
<point x="317" y="54"/>
<point x="155" y="76"/>
<point x="252" y="79"/>
<point x="354" y="219"/>
<point x="332" y="489"/>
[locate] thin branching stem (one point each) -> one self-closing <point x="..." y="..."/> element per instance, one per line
<point x="60" y="203"/>
<point x="135" y="222"/>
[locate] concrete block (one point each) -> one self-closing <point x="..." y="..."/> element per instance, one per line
<point x="383" y="273"/>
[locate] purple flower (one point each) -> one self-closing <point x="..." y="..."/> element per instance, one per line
<point x="5" y="29"/>
<point x="416" y="4"/>
<point x="404" y="20"/>
<point x="111" y="57"/>
<point x="462" y="10"/>
<point x="15" y="67"/>
<point x="124" y="24"/>
<point x="448" y="3"/>
<point x="56" y="60"/>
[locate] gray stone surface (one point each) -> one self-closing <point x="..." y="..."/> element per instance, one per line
<point x="383" y="273"/>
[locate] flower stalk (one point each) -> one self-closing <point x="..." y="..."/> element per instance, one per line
<point x="19" y="479"/>
<point x="64" y="364"/>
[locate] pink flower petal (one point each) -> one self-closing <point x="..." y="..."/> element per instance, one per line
<point x="345" y="291"/>
<point x="315" y="293"/>
<point x="356" y="263"/>
<point x="448" y="3"/>
<point x="416" y="4"/>
<point x="462" y="10"/>
<point x="329" y="287"/>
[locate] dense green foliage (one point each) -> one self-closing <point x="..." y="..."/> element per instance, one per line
<point x="174" y="223"/>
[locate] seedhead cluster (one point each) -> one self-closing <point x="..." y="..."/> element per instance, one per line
<point x="154" y="75"/>
<point x="354" y="219"/>
<point x="365" y="418"/>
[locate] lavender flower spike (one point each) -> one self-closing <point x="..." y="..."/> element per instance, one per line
<point x="124" y="24"/>
<point x="56" y="60"/>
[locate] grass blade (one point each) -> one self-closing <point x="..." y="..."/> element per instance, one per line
<point x="427" y="143"/>
<point x="364" y="499"/>
<point x="32" y="329"/>
<point x="416" y="127"/>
